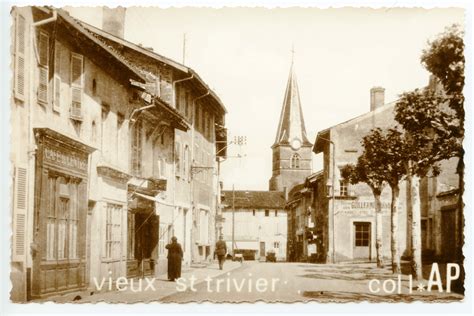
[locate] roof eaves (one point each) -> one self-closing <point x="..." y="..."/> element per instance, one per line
<point x="76" y="24"/>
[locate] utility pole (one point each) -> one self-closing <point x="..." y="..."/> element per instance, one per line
<point x="233" y="219"/>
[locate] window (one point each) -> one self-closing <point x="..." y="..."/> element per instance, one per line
<point x="276" y="245"/>
<point x="20" y="71"/>
<point x="362" y="234"/>
<point x="113" y="232"/>
<point x="118" y="138"/>
<point x="276" y="213"/>
<point x="77" y="69"/>
<point x="94" y="87"/>
<point x="62" y="222"/>
<point x="267" y="213"/>
<point x="295" y="161"/>
<point x="253" y="212"/>
<point x="343" y="188"/>
<point x="136" y="148"/>
<point x="43" y="52"/>
<point x="177" y="158"/>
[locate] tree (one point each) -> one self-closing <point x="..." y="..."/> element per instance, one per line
<point x="392" y="149"/>
<point x="429" y="128"/>
<point x="444" y="58"/>
<point x="385" y="152"/>
<point x="369" y="170"/>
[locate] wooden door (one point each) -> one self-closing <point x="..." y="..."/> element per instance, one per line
<point x="59" y="263"/>
<point x="362" y="241"/>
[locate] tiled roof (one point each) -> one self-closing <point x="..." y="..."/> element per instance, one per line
<point x="97" y="32"/>
<point x="78" y="26"/>
<point x="134" y="67"/>
<point x="254" y="199"/>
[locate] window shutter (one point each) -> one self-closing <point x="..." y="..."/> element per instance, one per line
<point x="20" y="75"/>
<point x="57" y="78"/>
<point x="43" y="85"/>
<point x="19" y="214"/>
<point x="76" y="86"/>
<point x="57" y="94"/>
<point x="43" y="49"/>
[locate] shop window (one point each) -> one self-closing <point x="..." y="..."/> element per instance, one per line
<point x="113" y="232"/>
<point x="62" y="220"/>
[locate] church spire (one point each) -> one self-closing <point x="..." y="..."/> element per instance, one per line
<point x="291" y="127"/>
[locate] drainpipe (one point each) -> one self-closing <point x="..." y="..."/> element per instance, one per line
<point x="46" y="21"/>
<point x="39" y="23"/>
<point x="139" y="110"/>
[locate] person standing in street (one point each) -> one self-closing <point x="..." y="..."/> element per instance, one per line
<point x="221" y="251"/>
<point x="175" y="256"/>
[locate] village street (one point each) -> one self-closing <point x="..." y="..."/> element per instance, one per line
<point x="275" y="282"/>
<point x="291" y="282"/>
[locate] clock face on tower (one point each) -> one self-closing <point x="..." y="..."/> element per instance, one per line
<point x="295" y="144"/>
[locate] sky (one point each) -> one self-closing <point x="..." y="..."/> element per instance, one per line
<point x="244" y="55"/>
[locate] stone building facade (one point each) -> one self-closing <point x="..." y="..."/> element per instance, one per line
<point x="259" y="221"/>
<point x="96" y="156"/>
<point x="344" y="214"/>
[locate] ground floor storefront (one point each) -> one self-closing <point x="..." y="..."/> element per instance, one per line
<point x="58" y="248"/>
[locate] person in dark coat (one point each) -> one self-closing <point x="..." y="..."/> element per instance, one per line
<point x="221" y="251"/>
<point x="175" y="255"/>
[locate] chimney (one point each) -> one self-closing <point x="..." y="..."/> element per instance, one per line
<point x="113" y="20"/>
<point x="377" y="98"/>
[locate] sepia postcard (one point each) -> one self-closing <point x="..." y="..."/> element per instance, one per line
<point x="237" y="154"/>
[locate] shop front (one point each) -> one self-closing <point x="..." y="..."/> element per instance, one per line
<point x="61" y="205"/>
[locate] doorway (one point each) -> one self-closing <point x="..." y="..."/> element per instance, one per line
<point x="448" y="234"/>
<point x="362" y="241"/>
<point x="143" y="225"/>
<point x="262" y="249"/>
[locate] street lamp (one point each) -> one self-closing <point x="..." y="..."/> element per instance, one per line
<point x="333" y="197"/>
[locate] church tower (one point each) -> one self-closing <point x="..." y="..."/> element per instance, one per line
<point x="292" y="149"/>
